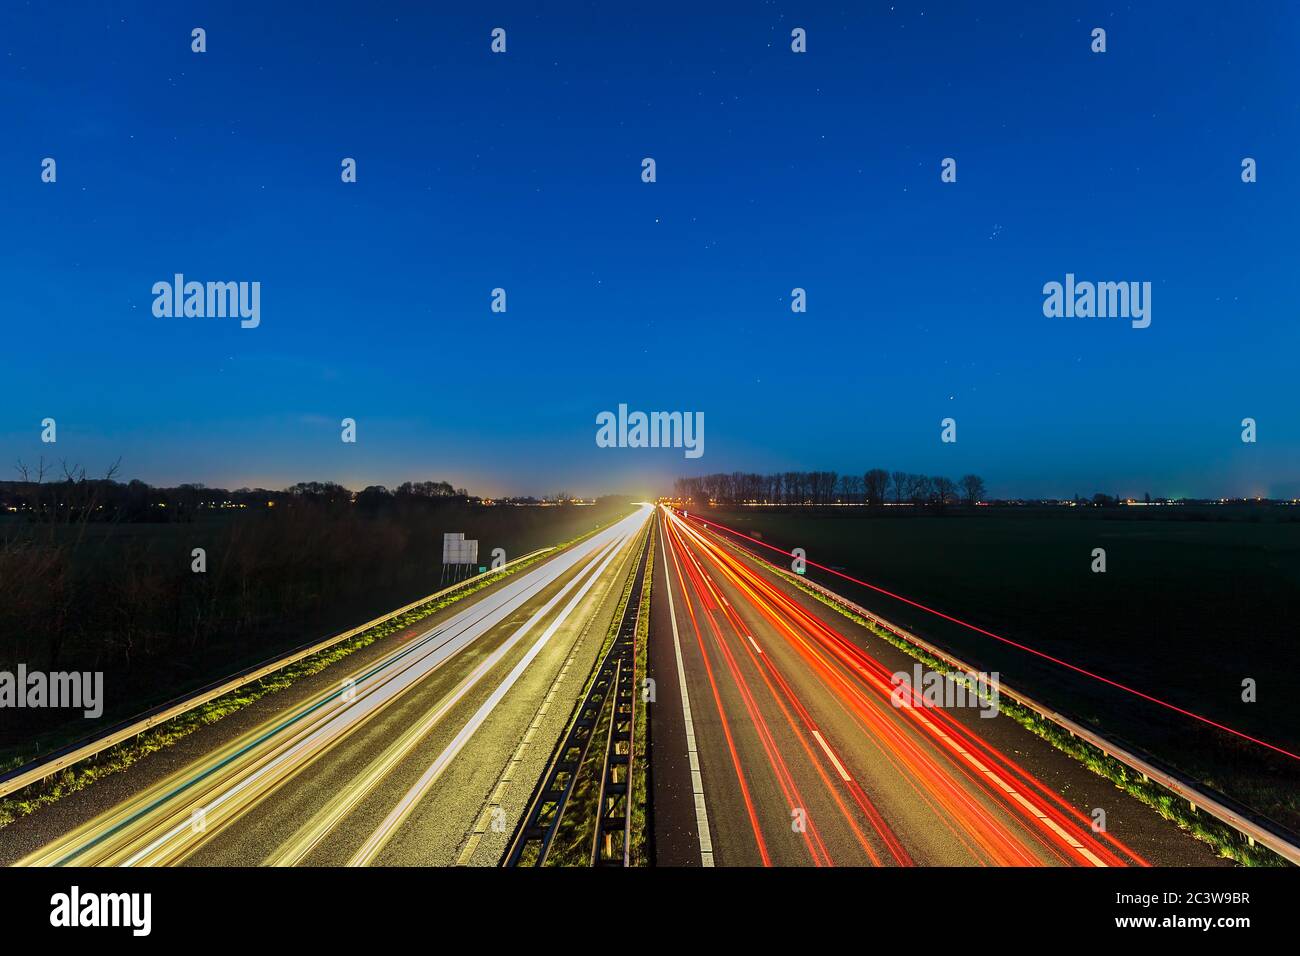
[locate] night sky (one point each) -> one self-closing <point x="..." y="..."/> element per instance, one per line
<point x="774" y="170"/>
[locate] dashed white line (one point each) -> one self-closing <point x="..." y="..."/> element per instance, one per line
<point x="844" y="774"/>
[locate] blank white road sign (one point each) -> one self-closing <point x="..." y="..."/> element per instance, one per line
<point x="456" y="550"/>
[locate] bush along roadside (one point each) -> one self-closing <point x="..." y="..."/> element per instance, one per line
<point x="1225" y="840"/>
<point x="72" y="779"/>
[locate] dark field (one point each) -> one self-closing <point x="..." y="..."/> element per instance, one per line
<point x="1190" y="605"/>
<point x="122" y="598"/>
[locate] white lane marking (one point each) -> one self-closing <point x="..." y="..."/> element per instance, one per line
<point x="752" y="641"/>
<point x="379" y="839"/>
<point x="697" y="780"/>
<point x="844" y="774"/>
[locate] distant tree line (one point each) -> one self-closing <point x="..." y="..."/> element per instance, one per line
<point x="68" y="496"/>
<point x="874" y="487"/>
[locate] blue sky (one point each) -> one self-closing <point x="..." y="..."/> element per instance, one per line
<point x="775" y="170"/>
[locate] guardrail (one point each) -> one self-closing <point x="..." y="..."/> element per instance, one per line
<point x="73" y="753"/>
<point x="1228" y="811"/>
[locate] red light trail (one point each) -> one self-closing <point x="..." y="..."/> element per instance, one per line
<point x="861" y="686"/>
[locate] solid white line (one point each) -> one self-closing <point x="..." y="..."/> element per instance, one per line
<point x="697" y="781"/>
<point x="834" y="759"/>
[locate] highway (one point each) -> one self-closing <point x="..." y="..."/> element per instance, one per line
<point x="777" y="739"/>
<point x="423" y="753"/>
<point x="778" y="743"/>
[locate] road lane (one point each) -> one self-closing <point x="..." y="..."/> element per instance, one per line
<point x="806" y="759"/>
<point x="681" y="820"/>
<point x="201" y="810"/>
